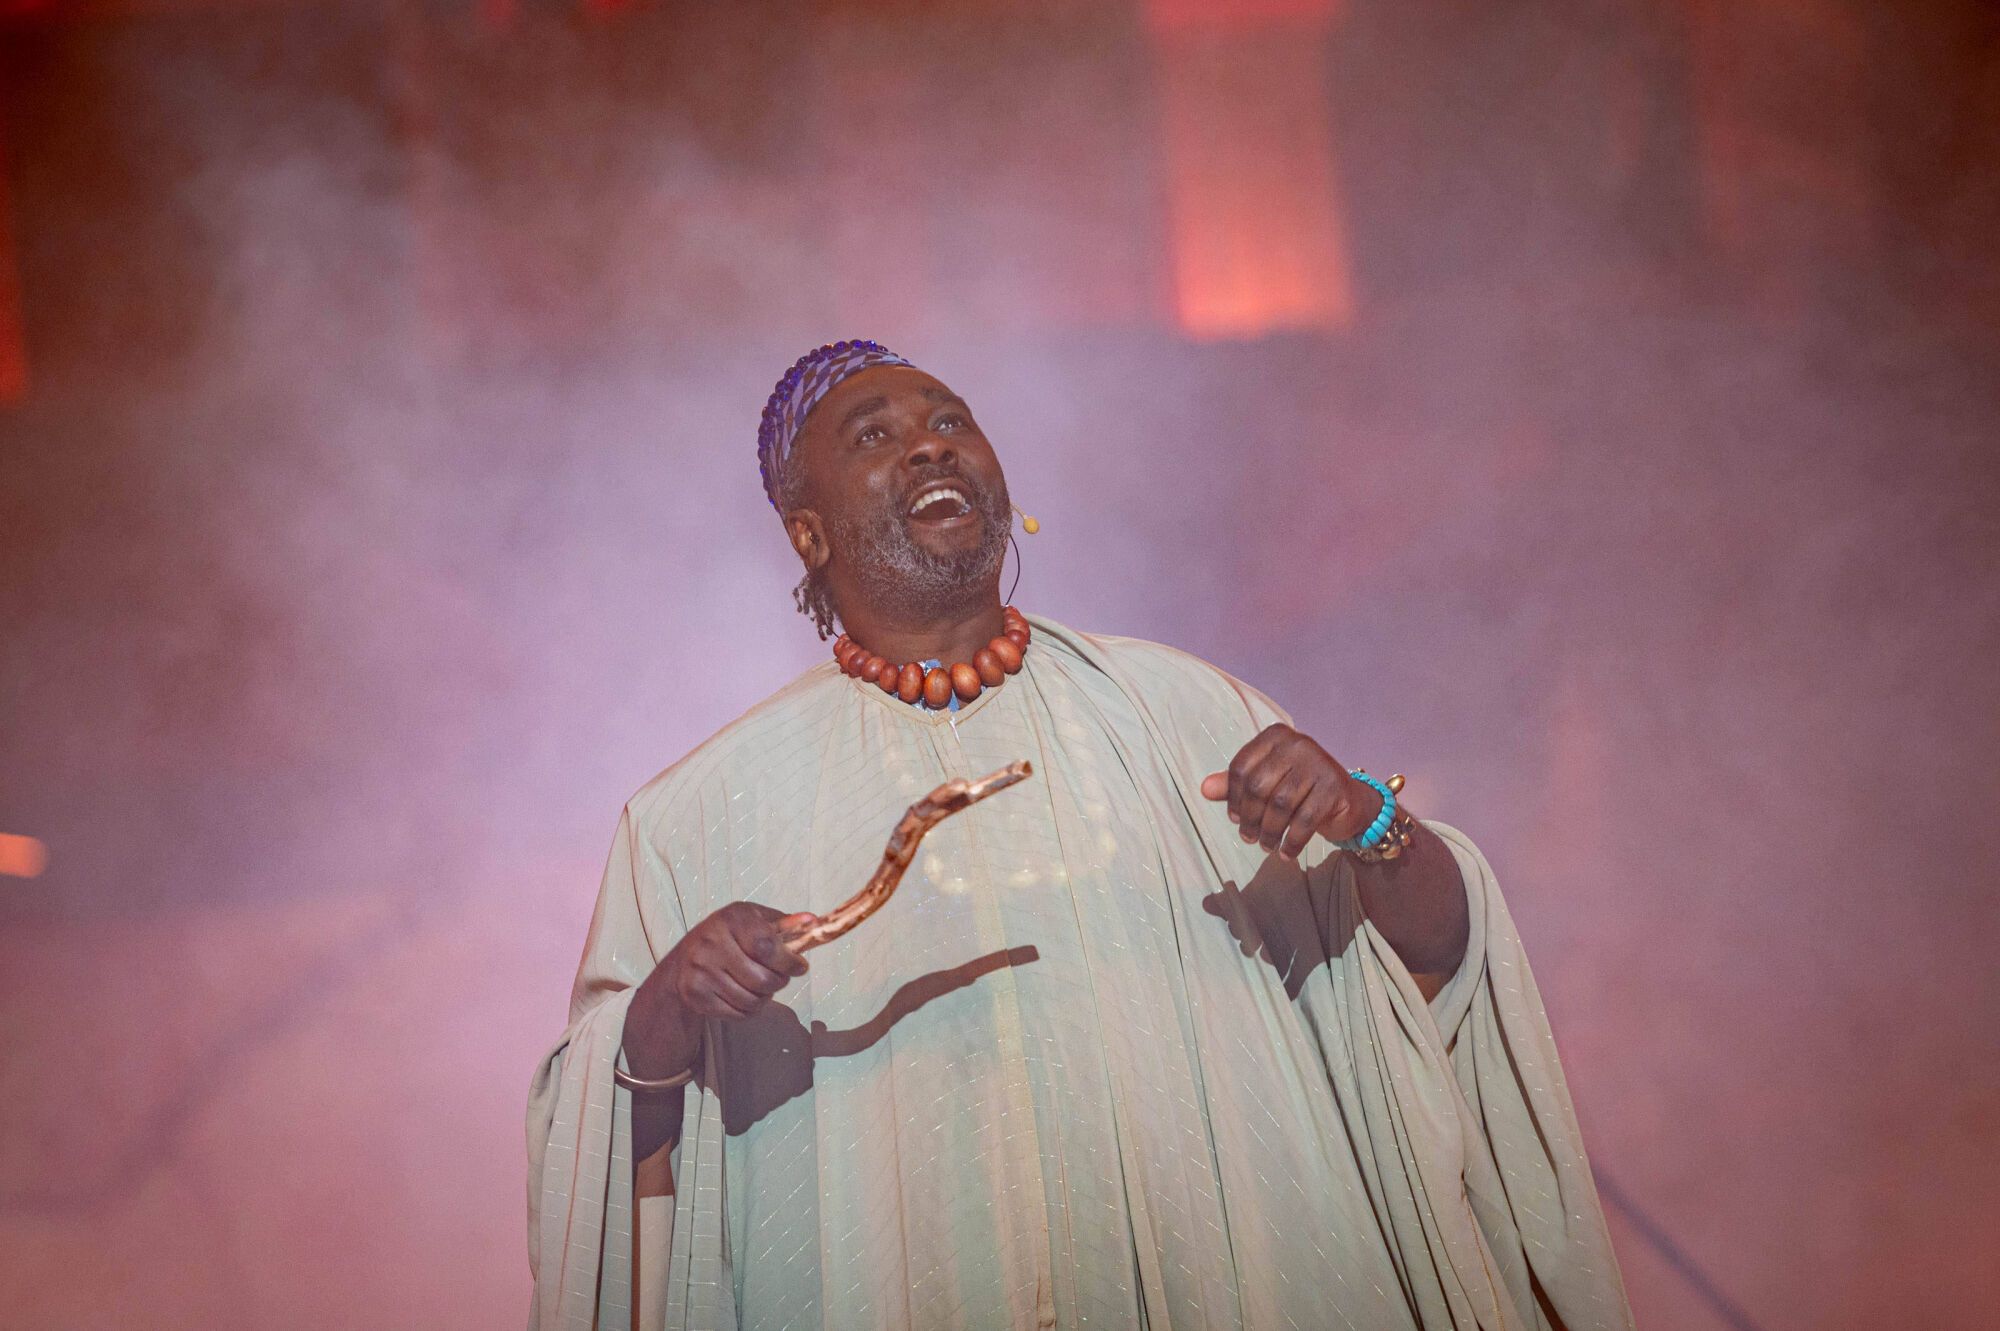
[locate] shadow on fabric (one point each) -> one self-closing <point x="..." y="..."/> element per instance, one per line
<point x="768" y="1058"/>
<point x="1286" y="918"/>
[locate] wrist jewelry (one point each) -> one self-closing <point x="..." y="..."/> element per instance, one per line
<point x="636" y="1084"/>
<point x="1400" y="834"/>
<point x="1389" y="835"/>
<point x="1375" y="831"/>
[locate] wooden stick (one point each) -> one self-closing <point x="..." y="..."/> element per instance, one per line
<point x="926" y="813"/>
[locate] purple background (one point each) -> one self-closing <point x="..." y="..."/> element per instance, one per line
<point x="1585" y="408"/>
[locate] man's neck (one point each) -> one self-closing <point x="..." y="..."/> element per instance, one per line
<point x="950" y="638"/>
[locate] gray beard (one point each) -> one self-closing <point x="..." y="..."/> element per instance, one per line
<point x="912" y="584"/>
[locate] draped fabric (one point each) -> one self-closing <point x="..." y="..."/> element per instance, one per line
<point x="1098" y="1063"/>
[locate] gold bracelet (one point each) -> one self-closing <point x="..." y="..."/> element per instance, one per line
<point x="632" y="1083"/>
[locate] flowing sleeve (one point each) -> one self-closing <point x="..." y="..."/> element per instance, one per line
<point x="581" y="1210"/>
<point x="1456" y="1109"/>
<point x="1531" y="1182"/>
<point x="1470" y="1086"/>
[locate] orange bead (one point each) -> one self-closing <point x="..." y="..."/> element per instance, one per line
<point x="991" y="672"/>
<point x="965" y="682"/>
<point x="937" y="686"/>
<point x="890" y="676"/>
<point x="1009" y="653"/>
<point x="872" y="667"/>
<point x="1018" y="636"/>
<point x="910" y="683"/>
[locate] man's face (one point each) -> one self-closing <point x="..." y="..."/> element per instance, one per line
<point x="912" y="500"/>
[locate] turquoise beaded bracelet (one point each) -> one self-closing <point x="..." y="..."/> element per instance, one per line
<point x="1372" y="836"/>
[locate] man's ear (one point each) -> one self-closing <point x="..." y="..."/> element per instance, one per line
<point x="808" y="537"/>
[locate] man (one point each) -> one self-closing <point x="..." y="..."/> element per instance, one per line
<point x="1194" y="1028"/>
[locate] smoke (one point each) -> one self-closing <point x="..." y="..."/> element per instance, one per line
<point x="385" y="510"/>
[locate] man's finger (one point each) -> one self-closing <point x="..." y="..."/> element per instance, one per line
<point x="754" y="976"/>
<point x="778" y="955"/>
<point x="731" y="997"/>
<point x="788" y="963"/>
<point x="1250" y="791"/>
<point x="1287" y="794"/>
<point x="1305" y="822"/>
<point x="1251" y="754"/>
<point x="1241" y="801"/>
<point x="1215" y="786"/>
<point x="762" y="939"/>
<point x="760" y="945"/>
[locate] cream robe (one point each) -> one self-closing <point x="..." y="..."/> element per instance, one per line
<point x="1098" y="1063"/>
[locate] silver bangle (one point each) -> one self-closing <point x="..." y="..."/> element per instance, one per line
<point x="632" y="1083"/>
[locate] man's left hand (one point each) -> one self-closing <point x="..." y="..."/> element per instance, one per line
<point x="1282" y="787"/>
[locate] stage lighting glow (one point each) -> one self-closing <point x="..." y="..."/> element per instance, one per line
<point x="1253" y="200"/>
<point x="22" y="856"/>
<point x="13" y="338"/>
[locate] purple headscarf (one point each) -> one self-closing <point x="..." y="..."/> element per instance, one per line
<point x="811" y="378"/>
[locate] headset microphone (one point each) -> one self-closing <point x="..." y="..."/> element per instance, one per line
<point x="1028" y="524"/>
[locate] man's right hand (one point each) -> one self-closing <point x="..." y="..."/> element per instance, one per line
<point x="727" y="967"/>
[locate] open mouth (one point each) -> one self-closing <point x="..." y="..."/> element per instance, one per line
<point x="941" y="502"/>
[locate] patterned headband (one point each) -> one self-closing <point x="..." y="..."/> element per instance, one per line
<point x="811" y="378"/>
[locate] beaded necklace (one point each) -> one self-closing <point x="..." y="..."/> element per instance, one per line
<point x="968" y="679"/>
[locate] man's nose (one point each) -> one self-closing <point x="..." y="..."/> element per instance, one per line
<point x="929" y="449"/>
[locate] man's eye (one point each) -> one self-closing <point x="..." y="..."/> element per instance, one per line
<point x="869" y="433"/>
<point x="956" y="421"/>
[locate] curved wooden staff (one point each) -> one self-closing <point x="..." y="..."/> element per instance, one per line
<point x="926" y="813"/>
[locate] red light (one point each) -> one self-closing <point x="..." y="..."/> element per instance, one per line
<point x="22" y="856"/>
<point x="1253" y="201"/>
